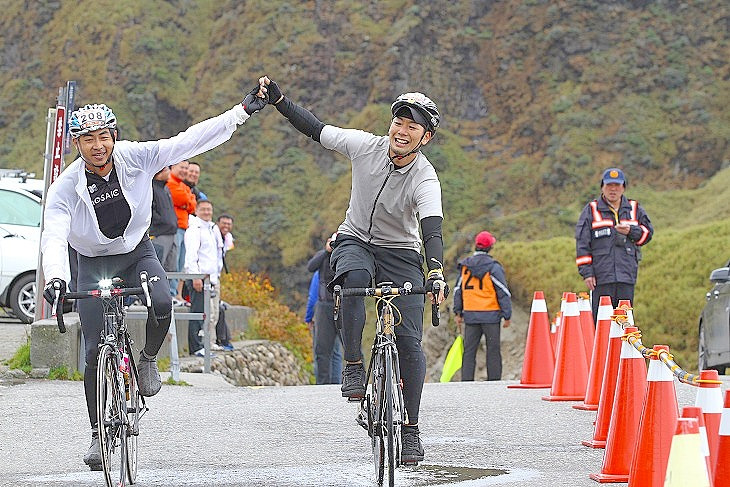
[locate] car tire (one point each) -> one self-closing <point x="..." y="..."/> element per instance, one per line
<point x="22" y="298"/>
<point x="702" y="354"/>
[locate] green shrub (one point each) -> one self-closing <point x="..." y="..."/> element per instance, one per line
<point x="272" y="320"/>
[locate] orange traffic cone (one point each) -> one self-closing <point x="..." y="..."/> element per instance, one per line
<point x="587" y="325"/>
<point x="608" y="386"/>
<point x="598" y="357"/>
<point x="709" y="398"/>
<point x="559" y="325"/>
<point x="722" y="460"/>
<point x="626" y="414"/>
<point x="625" y="305"/>
<point x="554" y="332"/>
<point x="696" y="413"/>
<point x="571" y="374"/>
<point x="539" y="362"/>
<point x="657" y="426"/>
<point x="686" y="467"/>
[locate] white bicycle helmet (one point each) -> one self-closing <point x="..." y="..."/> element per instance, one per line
<point x="89" y="118"/>
<point x="423" y="105"/>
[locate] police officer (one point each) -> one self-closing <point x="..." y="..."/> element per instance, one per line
<point x="481" y="300"/>
<point x="608" y="237"/>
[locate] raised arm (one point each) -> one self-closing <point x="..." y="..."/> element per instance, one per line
<point x="301" y="118"/>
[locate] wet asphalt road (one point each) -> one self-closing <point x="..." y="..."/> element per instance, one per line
<point x="214" y="434"/>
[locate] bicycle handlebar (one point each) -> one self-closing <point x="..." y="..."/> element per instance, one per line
<point x="142" y="291"/>
<point x="381" y="291"/>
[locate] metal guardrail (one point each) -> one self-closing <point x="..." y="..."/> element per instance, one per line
<point x="174" y="358"/>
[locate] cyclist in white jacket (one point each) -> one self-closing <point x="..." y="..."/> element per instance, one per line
<point x="101" y="205"/>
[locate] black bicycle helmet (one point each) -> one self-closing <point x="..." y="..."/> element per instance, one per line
<point x="417" y="104"/>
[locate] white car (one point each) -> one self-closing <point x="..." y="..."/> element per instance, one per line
<point x="20" y="232"/>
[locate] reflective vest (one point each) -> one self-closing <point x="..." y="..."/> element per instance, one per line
<point x="478" y="294"/>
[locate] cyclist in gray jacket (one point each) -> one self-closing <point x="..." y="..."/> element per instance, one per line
<point x="394" y="191"/>
<point x="101" y="205"/>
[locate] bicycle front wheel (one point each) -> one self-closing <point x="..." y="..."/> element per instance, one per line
<point x="111" y="410"/>
<point x="375" y="403"/>
<point x="393" y="414"/>
<point x="133" y="414"/>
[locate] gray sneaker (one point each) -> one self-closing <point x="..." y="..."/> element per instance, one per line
<point x="412" y="450"/>
<point x="149" y="377"/>
<point x="93" y="456"/>
<point x="353" y="382"/>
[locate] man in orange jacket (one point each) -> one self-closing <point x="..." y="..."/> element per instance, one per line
<point x="184" y="201"/>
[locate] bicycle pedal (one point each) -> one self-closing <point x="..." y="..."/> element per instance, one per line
<point x="353" y="398"/>
<point x="95" y="467"/>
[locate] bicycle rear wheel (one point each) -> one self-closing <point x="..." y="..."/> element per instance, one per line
<point x="375" y="410"/>
<point x="111" y="415"/>
<point x="133" y="414"/>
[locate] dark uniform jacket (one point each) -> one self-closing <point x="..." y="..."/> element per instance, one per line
<point x="481" y="294"/>
<point x="321" y="262"/>
<point x="603" y="252"/>
<point x="164" y="219"/>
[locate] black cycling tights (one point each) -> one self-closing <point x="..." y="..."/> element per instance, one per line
<point x="411" y="356"/>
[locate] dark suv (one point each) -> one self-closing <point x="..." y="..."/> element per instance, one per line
<point x="714" y="333"/>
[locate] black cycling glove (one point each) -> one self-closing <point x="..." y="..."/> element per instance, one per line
<point x="252" y="103"/>
<point x="437" y="275"/>
<point x="274" y="92"/>
<point x="49" y="292"/>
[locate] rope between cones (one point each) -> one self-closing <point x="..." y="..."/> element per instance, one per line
<point x="634" y="339"/>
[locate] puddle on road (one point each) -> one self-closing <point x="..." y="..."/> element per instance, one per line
<point x="451" y="474"/>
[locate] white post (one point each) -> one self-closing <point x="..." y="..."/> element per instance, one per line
<point x="174" y="359"/>
<point x="42" y="308"/>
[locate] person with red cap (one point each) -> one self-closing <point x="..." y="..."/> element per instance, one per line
<point x="481" y="300"/>
<point x="608" y="236"/>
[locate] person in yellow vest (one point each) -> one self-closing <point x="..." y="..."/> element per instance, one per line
<point x="481" y="300"/>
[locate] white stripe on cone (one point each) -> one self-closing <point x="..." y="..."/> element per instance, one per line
<point x="538" y="306"/>
<point x="658" y="372"/>
<point x="725" y="422"/>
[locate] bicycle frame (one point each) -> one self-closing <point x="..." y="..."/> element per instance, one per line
<point x="119" y="404"/>
<point x="383" y="402"/>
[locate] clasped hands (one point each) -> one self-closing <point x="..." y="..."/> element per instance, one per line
<point x="266" y="92"/>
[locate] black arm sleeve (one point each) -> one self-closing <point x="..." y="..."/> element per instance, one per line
<point x="302" y="119"/>
<point x="433" y="243"/>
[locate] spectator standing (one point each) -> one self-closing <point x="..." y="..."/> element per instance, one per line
<point x="184" y="202"/>
<point x="201" y="257"/>
<point x="608" y="236"/>
<point x="192" y="181"/>
<point x="326" y="334"/>
<point x="164" y="221"/>
<point x="481" y="300"/>
<point x="224" y="243"/>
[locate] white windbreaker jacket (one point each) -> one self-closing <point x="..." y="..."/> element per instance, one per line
<point x="69" y="217"/>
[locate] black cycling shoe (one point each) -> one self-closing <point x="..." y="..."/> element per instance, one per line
<point x="93" y="456"/>
<point x="353" y="382"/>
<point x="412" y="451"/>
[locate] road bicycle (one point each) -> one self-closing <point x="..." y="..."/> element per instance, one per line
<point x="120" y="407"/>
<point x="381" y="410"/>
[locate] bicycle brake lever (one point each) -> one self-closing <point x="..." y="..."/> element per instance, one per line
<point x="435" y="306"/>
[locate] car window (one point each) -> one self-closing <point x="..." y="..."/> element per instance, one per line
<point x="19" y="209"/>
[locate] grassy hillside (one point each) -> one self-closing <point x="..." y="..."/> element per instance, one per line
<point x="537" y="97"/>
